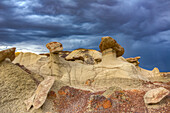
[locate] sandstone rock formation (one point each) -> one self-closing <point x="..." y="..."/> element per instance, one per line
<point x="134" y="60"/>
<point x="9" y="53"/>
<point x="111" y="68"/>
<point x="109" y="42"/>
<point x="155" y="95"/>
<point x="88" y="56"/>
<point x="109" y="85"/>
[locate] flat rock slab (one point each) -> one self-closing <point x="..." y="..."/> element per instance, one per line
<point x="154" y="96"/>
<point x="38" y="99"/>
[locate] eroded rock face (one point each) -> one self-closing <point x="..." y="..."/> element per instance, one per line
<point x="88" y="56"/>
<point x="8" y="53"/>
<point x="155" y="95"/>
<point x="134" y="60"/>
<point x="54" y="47"/>
<point x="109" y="42"/>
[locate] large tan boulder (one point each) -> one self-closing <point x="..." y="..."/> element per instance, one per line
<point x="88" y="56"/>
<point x="8" y="53"/>
<point x="155" y="95"/>
<point x="109" y="42"/>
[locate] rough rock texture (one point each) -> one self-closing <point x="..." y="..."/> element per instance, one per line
<point x="38" y="99"/>
<point x="134" y="60"/>
<point x="32" y="61"/>
<point x="16" y="85"/>
<point x="8" y="53"/>
<point x="109" y="42"/>
<point x="149" y="74"/>
<point x="54" y="47"/>
<point x="155" y="95"/>
<point x="88" y="56"/>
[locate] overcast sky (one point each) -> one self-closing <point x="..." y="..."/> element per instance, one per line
<point x="142" y="27"/>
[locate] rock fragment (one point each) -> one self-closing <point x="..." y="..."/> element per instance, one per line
<point x="38" y="99"/>
<point x="134" y="60"/>
<point x="154" y="96"/>
<point x="8" y="53"/>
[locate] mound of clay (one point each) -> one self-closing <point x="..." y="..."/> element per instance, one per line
<point x="16" y="86"/>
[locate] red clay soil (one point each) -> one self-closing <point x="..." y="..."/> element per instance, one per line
<point x="71" y="100"/>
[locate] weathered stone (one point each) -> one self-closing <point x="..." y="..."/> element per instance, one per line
<point x="134" y="60"/>
<point x="38" y="99"/>
<point x="109" y="42"/>
<point x="88" y="56"/>
<point x="155" y="95"/>
<point x="54" y="47"/>
<point x="8" y="53"/>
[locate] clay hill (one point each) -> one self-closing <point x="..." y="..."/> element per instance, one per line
<point x="81" y="81"/>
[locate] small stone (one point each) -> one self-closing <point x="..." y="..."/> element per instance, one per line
<point x="154" y="96"/>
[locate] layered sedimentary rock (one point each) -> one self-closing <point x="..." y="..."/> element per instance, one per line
<point x="110" y="85"/>
<point x="111" y="68"/>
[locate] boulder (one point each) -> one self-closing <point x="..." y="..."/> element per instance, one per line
<point x="88" y="56"/>
<point x="54" y="47"/>
<point x="154" y="96"/>
<point x="8" y="53"/>
<point x="109" y="42"/>
<point x="134" y="60"/>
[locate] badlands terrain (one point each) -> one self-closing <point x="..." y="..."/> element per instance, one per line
<point x="81" y="81"/>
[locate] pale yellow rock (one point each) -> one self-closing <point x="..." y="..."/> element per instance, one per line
<point x="155" y="95"/>
<point x="149" y="74"/>
<point x="42" y="91"/>
<point x="40" y="95"/>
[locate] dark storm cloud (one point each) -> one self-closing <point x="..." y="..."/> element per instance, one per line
<point x="140" y="26"/>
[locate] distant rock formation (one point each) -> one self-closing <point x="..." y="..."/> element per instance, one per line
<point x="102" y="74"/>
<point x="87" y="56"/>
